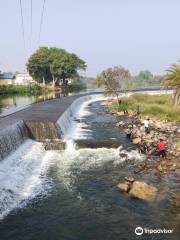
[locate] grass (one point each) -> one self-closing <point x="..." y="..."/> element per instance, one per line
<point x="159" y="106"/>
<point x="21" y="89"/>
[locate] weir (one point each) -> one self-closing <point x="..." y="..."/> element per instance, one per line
<point x="47" y="122"/>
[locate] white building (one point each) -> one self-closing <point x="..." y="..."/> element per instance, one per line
<point x="23" y="79"/>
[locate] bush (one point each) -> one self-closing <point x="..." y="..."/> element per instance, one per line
<point x="76" y="87"/>
<point x="21" y="89"/>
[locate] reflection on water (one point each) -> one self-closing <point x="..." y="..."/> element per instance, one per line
<point x="12" y="103"/>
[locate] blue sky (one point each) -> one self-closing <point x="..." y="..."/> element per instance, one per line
<point x="137" y="34"/>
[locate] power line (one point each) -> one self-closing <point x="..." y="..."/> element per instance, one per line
<point x="23" y="33"/>
<point x="41" y="22"/>
<point x="22" y="25"/>
<point x="31" y="10"/>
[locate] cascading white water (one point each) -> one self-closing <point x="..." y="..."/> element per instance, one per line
<point x="74" y="160"/>
<point x="23" y="173"/>
<point x="22" y="176"/>
<point x="12" y="137"/>
<point x="71" y="128"/>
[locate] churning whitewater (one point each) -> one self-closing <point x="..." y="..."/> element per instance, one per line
<point x="23" y="175"/>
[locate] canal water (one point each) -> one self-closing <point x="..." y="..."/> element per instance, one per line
<point x="12" y="103"/>
<point x="72" y="195"/>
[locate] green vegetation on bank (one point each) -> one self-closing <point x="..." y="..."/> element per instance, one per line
<point x="159" y="106"/>
<point x="76" y="87"/>
<point x="21" y="89"/>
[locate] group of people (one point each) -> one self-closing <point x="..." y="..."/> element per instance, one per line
<point x="162" y="145"/>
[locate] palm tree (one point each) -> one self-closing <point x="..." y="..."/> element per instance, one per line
<point x="172" y="79"/>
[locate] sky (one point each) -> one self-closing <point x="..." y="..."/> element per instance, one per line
<point x="136" y="34"/>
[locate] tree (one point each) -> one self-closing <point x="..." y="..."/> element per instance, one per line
<point x="54" y="64"/>
<point x="115" y="80"/>
<point x="144" y="78"/>
<point x="172" y="79"/>
<point x="38" y="66"/>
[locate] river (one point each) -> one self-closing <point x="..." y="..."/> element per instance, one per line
<point x="12" y="103"/>
<point x="72" y="195"/>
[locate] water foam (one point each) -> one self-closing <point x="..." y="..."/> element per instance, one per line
<point x="71" y="122"/>
<point x="73" y="161"/>
<point x="22" y="176"/>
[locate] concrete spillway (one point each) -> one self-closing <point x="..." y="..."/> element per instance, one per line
<point x="45" y="122"/>
<point x="42" y="122"/>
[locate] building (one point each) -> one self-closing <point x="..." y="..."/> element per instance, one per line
<point x="7" y="79"/>
<point x="23" y="79"/>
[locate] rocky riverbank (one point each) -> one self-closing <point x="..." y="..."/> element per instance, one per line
<point x="152" y="164"/>
<point x="133" y="125"/>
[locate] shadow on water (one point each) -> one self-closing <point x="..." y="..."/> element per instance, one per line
<point x="83" y="203"/>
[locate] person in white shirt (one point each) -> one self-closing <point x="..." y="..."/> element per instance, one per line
<point x="146" y="125"/>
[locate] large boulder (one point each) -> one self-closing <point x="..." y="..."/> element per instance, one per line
<point x="142" y="190"/>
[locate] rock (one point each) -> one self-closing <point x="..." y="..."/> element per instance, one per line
<point x="136" y="140"/>
<point x="169" y="164"/>
<point x="120" y="124"/>
<point x="160" y="168"/>
<point x="123" y="187"/>
<point x="142" y="190"/>
<point x="104" y="103"/>
<point x="123" y="155"/>
<point x="120" y="113"/>
<point x="129" y="179"/>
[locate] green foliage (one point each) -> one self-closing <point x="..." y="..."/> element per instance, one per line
<point x="172" y="79"/>
<point x="98" y="80"/>
<point x="114" y="80"/>
<point x="76" y="87"/>
<point x="38" y="65"/>
<point x="21" y="89"/>
<point x="159" y="106"/>
<point x="53" y="64"/>
<point x="146" y="79"/>
<point x="126" y="104"/>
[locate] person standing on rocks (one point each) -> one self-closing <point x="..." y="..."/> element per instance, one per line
<point x="138" y="109"/>
<point x="146" y="125"/>
<point x="162" y="147"/>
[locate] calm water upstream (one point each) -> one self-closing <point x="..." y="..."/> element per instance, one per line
<point x="12" y="103"/>
<point x="72" y="195"/>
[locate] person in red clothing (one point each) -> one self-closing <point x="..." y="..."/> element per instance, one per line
<point x="162" y="146"/>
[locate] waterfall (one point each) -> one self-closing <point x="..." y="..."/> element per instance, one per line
<point x="12" y="137"/>
<point x="23" y="173"/>
<point x="22" y="176"/>
<point x="69" y="120"/>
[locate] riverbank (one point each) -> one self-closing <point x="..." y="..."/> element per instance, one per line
<point x="37" y="89"/>
<point x="21" y="89"/>
<point x="133" y="125"/>
<point x="155" y="106"/>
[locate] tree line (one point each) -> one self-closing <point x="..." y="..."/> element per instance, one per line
<point x="118" y="79"/>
